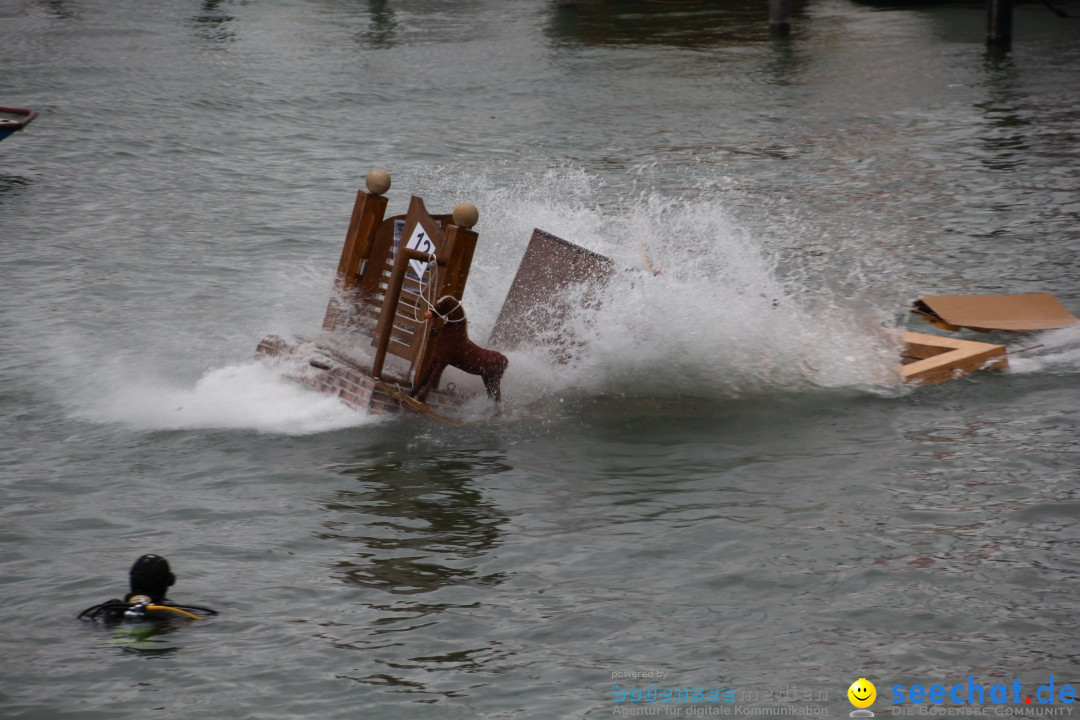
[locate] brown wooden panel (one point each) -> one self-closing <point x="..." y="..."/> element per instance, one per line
<point x="390" y="278"/>
<point x="538" y="304"/>
<point x="417" y="216"/>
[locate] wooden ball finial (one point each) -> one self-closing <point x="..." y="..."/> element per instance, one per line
<point x="466" y="215"/>
<point x="377" y="181"/>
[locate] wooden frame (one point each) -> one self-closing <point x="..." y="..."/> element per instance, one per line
<point x="931" y="359"/>
<point x="380" y="292"/>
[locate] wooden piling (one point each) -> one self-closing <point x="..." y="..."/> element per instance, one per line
<point x="780" y="17"/>
<point x="999" y="14"/>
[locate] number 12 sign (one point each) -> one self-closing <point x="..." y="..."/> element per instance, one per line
<point x="421" y="233"/>
<point x="419" y="240"/>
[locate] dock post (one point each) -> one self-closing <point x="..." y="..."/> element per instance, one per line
<point x="999" y="15"/>
<point x="780" y="17"/>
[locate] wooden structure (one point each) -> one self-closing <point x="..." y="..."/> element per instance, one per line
<point x="780" y="17"/>
<point x="999" y="24"/>
<point x="390" y="271"/>
<point x="931" y="359"/>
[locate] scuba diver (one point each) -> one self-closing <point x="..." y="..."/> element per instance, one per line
<point x="150" y="578"/>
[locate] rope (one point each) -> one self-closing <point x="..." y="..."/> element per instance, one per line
<point x="446" y="318"/>
<point x="433" y="270"/>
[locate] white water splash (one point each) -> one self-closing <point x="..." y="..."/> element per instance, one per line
<point x="718" y="321"/>
<point x="238" y="397"/>
<point x="1059" y="354"/>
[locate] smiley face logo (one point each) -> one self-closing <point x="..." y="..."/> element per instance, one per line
<point x="862" y="693"/>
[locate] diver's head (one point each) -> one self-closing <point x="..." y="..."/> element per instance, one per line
<point x="150" y="575"/>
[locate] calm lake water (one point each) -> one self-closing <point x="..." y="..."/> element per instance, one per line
<point x="725" y="489"/>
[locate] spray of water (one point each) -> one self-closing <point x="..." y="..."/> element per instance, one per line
<point x="237" y="397"/>
<point x="717" y="320"/>
<point x="726" y="315"/>
<point x="1059" y="354"/>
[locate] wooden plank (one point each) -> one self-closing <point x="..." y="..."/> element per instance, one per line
<point x="412" y="299"/>
<point x="417" y="406"/>
<point x="405" y="352"/>
<point x="953" y="358"/>
<point x="402" y="335"/>
<point x="410" y="316"/>
<point x="406" y="321"/>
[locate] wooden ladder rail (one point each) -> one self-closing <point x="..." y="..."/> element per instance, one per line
<point x="391" y="298"/>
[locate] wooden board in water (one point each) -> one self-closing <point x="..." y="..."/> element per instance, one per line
<point x="935" y="359"/>
<point x="417" y="406"/>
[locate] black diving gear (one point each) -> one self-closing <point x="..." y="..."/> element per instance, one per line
<point x="150" y="579"/>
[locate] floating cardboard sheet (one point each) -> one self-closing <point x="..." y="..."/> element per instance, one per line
<point x="543" y="295"/>
<point x="1039" y="311"/>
